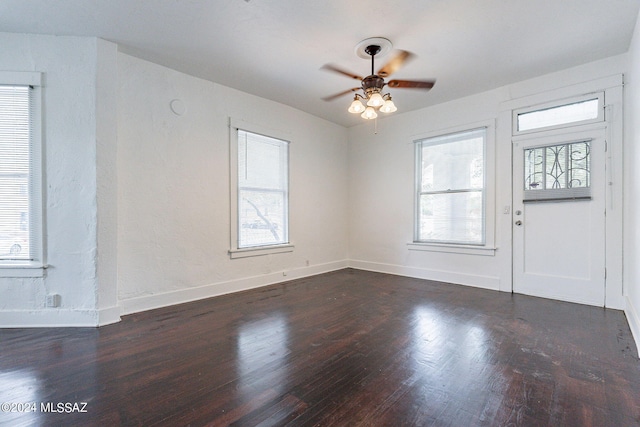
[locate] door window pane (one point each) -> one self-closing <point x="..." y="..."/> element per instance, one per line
<point x="557" y="172"/>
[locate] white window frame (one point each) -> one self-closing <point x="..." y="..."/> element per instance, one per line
<point x="236" y="251"/>
<point x="36" y="266"/>
<point x="556" y="104"/>
<point x="488" y="247"/>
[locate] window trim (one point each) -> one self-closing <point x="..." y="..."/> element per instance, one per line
<point x="35" y="267"/>
<point x="454" y="248"/>
<point x="235" y="251"/>
<point x="487" y="248"/>
<point x="557" y="104"/>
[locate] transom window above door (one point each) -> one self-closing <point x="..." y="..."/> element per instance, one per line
<point x="580" y="110"/>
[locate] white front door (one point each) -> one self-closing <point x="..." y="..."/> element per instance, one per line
<point x="559" y="216"/>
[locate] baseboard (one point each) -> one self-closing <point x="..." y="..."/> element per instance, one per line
<point x="107" y="316"/>
<point x="134" y="305"/>
<point x="48" y="318"/>
<point x="634" y="321"/>
<point x="474" y="280"/>
<point x="93" y="318"/>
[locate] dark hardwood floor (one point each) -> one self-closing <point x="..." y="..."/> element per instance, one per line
<point x="348" y="348"/>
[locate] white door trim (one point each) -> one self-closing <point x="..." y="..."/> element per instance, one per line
<point x="613" y="125"/>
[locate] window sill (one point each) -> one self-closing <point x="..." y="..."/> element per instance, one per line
<point x="259" y="251"/>
<point x="18" y="269"/>
<point x="453" y="249"/>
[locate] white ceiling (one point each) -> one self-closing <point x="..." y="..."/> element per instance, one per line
<point x="275" y="48"/>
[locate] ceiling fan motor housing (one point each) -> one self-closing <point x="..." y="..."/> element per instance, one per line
<point x="372" y="84"/>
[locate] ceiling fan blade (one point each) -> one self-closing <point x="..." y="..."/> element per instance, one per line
<point x="412" y="84"/>
<point x="338" y="95"/>
<point x="395" y="63"/>
<point x="338" y="70"/>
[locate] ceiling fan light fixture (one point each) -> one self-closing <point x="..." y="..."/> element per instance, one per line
<point x="389" y="106"/>
<point x="370" y="99"/>
<point x="356" y="106"/>
<point x="375" y="100"/>
<point x="369" y="113"/>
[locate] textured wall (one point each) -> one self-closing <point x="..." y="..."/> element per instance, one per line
<point x="173" y="177"/>
<point x="68" y="65"/>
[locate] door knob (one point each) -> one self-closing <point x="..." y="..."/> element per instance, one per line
<point x="518" y="222"/>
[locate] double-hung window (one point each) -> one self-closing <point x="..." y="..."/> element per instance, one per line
<point x="450" y="188"/>
<point x="20" y="174"/>
<point x="260" y="187"/>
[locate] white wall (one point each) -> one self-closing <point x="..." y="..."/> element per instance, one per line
<point x="152" y="210"/>
<point x="107" y="181"/>
<point x="381" y="183"/>
<point x="632" y="187"/>
<point x="173" y="198"/>
<point x="70" y="91"/>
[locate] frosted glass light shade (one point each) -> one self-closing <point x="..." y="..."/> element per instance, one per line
<point x="375" y="100"/>
<point x="356" y="107"/>
<point x="388" y="107"/>
<point x="369" y="113"/>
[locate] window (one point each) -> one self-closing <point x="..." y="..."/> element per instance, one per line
<point x="558" y="172"/>
<point x="261" y="169"/>
<point x="450" y="188"/>
<point x="20" y="172"/>
<point x="585" y="109"/>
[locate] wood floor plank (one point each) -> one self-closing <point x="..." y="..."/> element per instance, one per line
<point x="350" y="348"/>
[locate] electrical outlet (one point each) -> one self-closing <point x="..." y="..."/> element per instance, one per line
<point x="53" y="300"/>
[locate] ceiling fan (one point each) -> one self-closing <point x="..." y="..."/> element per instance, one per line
<point x="373" y="84"/>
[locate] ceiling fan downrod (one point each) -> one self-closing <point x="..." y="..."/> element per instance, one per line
<point x="372" y="50"/>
